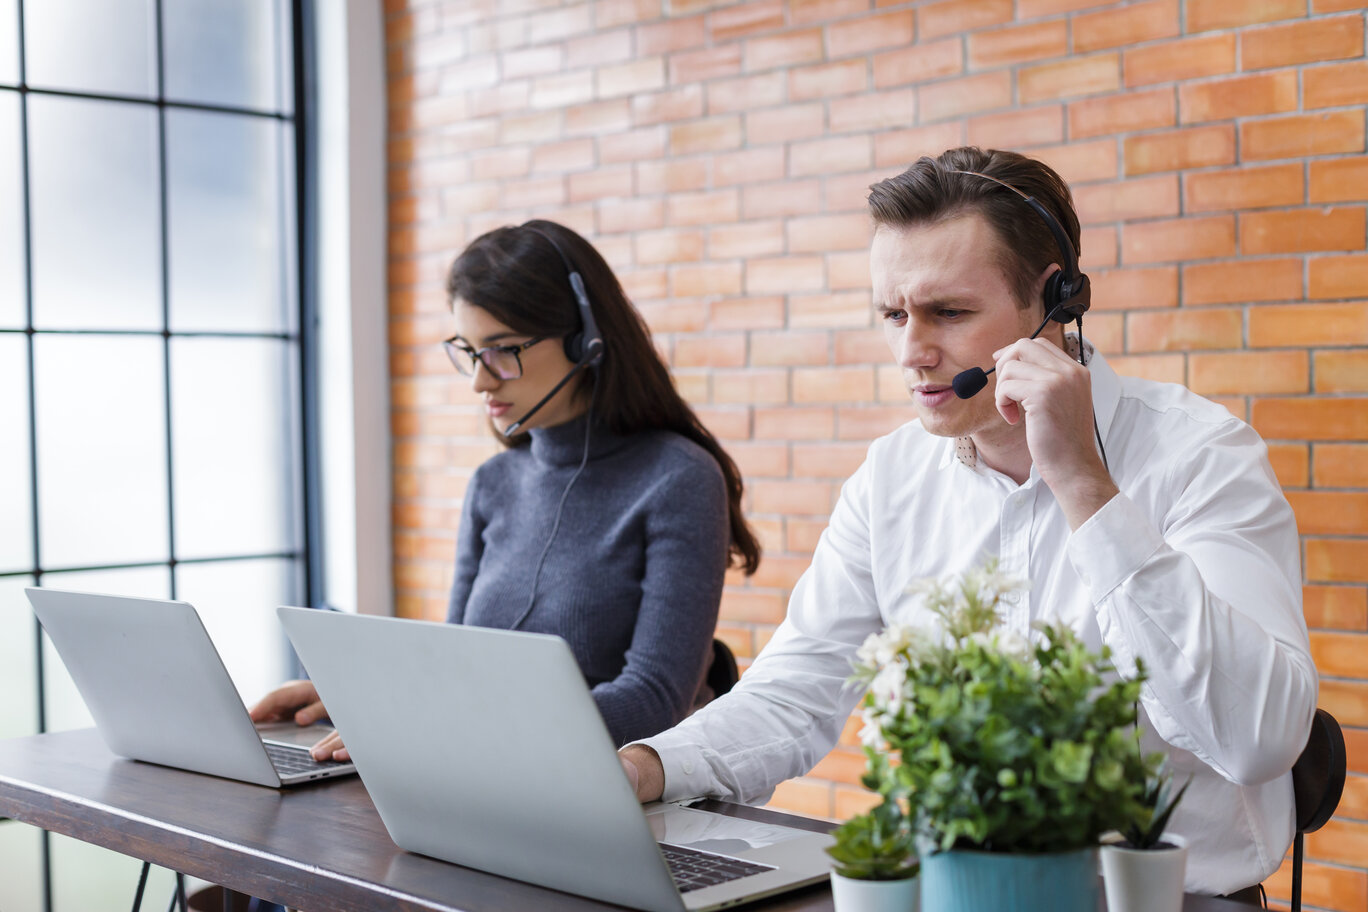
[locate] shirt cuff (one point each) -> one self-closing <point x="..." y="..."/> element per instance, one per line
<point x="1111" y="545"/>
<point x="686" y="773"/>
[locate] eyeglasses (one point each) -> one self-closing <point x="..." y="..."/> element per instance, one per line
<point x="500" y="360"/>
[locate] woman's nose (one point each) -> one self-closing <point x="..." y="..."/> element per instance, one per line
<point x="483" y="378"/>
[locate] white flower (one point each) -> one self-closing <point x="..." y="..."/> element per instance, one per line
<point x="883" y="647"/>
<point x="1013" y="644"/>
<point x="871" y="735"/>
<point x="887" y="687"/>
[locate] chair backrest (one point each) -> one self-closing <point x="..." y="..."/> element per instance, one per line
<point x="722" y="674"/>
<point x="1318" y="774"/>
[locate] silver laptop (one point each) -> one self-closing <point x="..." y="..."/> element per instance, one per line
<point x="158" y="691"/>
<point x="484" y="748"/>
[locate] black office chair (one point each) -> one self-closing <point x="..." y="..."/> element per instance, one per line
<point x="722" y="674"/>
<point x="1317" y="783"/>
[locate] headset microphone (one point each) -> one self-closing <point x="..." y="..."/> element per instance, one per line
<point x="968" y="383"/>
<point x="594" y="352"/>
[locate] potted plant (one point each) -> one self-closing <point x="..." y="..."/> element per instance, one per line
<point x="1015" y="755"/>
<point x="1142" y="870"/>
<point x="876" y="857"/>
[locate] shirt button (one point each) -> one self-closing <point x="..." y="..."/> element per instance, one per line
<point x="687" y="766"/>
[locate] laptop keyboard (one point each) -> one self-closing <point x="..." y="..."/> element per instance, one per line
<point x="694" y="870"/>
<point x="291" y="760"/>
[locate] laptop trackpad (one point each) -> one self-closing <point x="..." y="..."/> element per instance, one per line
<point x="718" y="833"/>
<point x="291" y="734"/>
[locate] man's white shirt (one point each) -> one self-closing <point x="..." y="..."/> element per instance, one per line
<point x="1194" y="567"/>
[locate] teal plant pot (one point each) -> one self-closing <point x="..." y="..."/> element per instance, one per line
<point x="967" y="881"/>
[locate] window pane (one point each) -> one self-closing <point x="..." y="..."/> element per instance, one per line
<point x="61" y="700"/>
<point x="16" y="502"/>
<point x="101" y="448"/>
<point x="232" y="426"/>
<point x="96" y="218"/>
<point x="225" y="199"/>
<point x="237" y="601"/>
<point x="22" y="848"/>
<point x="9" y="63"/>
<point x="18" y="669"/>
<point x="105" y="46"/>
<point x="87" y="878"/>
<point x="12" y="212"/>
<point x="224" y="52"/>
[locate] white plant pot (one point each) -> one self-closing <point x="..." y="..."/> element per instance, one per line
<point x="851" y="895"/>
<point x="1144" y="880"/>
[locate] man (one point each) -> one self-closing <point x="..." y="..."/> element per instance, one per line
<point x="1145" y="517"/>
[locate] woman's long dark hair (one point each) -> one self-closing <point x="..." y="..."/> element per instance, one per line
<point x="517" y="276"/>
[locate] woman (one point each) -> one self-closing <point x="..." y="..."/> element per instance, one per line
<point x="613" y="514"/>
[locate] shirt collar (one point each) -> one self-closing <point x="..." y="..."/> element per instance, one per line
<point x="1106" y="393"/>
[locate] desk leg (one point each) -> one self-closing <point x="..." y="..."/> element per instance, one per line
<point x="178" y="897"/>
<point x="142" y="885"/>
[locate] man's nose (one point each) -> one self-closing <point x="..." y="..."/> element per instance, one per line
<point x="916" y="349"/>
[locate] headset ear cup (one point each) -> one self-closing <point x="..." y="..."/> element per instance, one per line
<point x="574" y="346"/>
<point x="1053" y="294"/>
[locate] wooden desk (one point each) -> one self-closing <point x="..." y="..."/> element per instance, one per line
<point x="318" y="847"/>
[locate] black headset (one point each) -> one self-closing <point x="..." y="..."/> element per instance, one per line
<point x="1068" y="293"/>
<point x="585" y="346"/>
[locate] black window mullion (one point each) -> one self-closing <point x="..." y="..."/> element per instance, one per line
<point x="164" y="212"/>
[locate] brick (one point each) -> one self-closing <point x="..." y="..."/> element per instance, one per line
<point x="707" y="207"/>
<point x="955" y="16"/>
<point x="714" y="350"/>
<point x="561" y="90"/>
<point x="1248" y="373"/>
<point x="1003" y="47"/>
<point x="899" y="148"/>
<point x="1307" y="324"/>
<point x="1340" y="465"/>
<point x="670" y="246"/>
<point x="1311" y="41"/>
<point x="918" y="64"/>
<point x="725" y="422"/>
<point x="1338" y="180"/>
<point x="830" y="310"/>
<point x="872" y="111"/>
<point x="785" y="124"/>
<point x="1174" y="61"/>
<point x="823" y="80"/>
<point x="1097" y="247"/>
<point x="1068" y="78"/>
<point x="1173" y="150"/>
<point x="789" y="348"/>
<point x="1341" y="371"/>
<point x="1189" y="238"/>
<point x="1246" y="187"/>
<point x="661" y="107"/>
<point x="1206" y="15"/>
<point x="1356" y="747"/>
<point x="1290" y="463"/>
<point x="808" y="797"/>
<point x="1128" y="25"/>
<point x="1339" y="277"/>
<point x="570" y="155"/>
<point x="1184" y="330"/>
<point x="845" y="766"/>
<point x="552" y="25"/>
<point x="1242" y="96"/>
<point x="694" y="66"/>
<point x="694" y="280"/>
<point x="1338" y="561"/>
<point x="869" y="33"/>
<point x="1333" y="86"/>
<point x="750" y="606"/>
<point x="709" y="135"/>
<point x="631" y="215"/>
<point x="1335" y="607"/>
<point x="675" y="34"/>
<point x="749" y="166"/>
<point x="833" y="384"/>
<point x="1125" y="113"/>
<point x="848" y="270"/>
<point x="801" y="535"/>
<point x="1302" y="135"/>
<point x="808" y="11"/>
<point x="1323" y="886"/>
<point x="598" y="117"/>
<point x="795" y="423"/>
<point x="830" y="156"/>
<point x="744" y="313"/>
<point x="788" y="49"/>
<point x="632" y="145"/>
<point x="748" y="239"/>
<point x="745" y="93"/>
<point x="864" y="346"/>
<point x="1018" y="129"/>
<point x="753" y="387"/>
<point x="791" y="497"/>
<point x="824" y="233"/>
<point x="869" y="422"/>
<point x="1242" y="281"/>
<point x="678" y="175"/>
<point x="1159" y="368"/>
<point x="782" y="275"/>
<point x="1032" y="9"/>
<point x="1334" y="6"/>
<point x="598" y="48"/>
<point x="1147" y="197"/>
<point x="1135" y="289"/>
<point x="1302" y="230"/>
<point x="748" y="18"/>
<point x="792" y="197"/>
<point x="600" y="184"/>
<point x="955" y="97"/>
<point x="1313" y="419"/>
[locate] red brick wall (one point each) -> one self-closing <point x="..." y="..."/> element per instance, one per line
<point x="718" y="152"/>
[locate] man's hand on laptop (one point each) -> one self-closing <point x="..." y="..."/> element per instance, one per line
<point x="298" y="700"/>
<point x="644" y="771"/>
